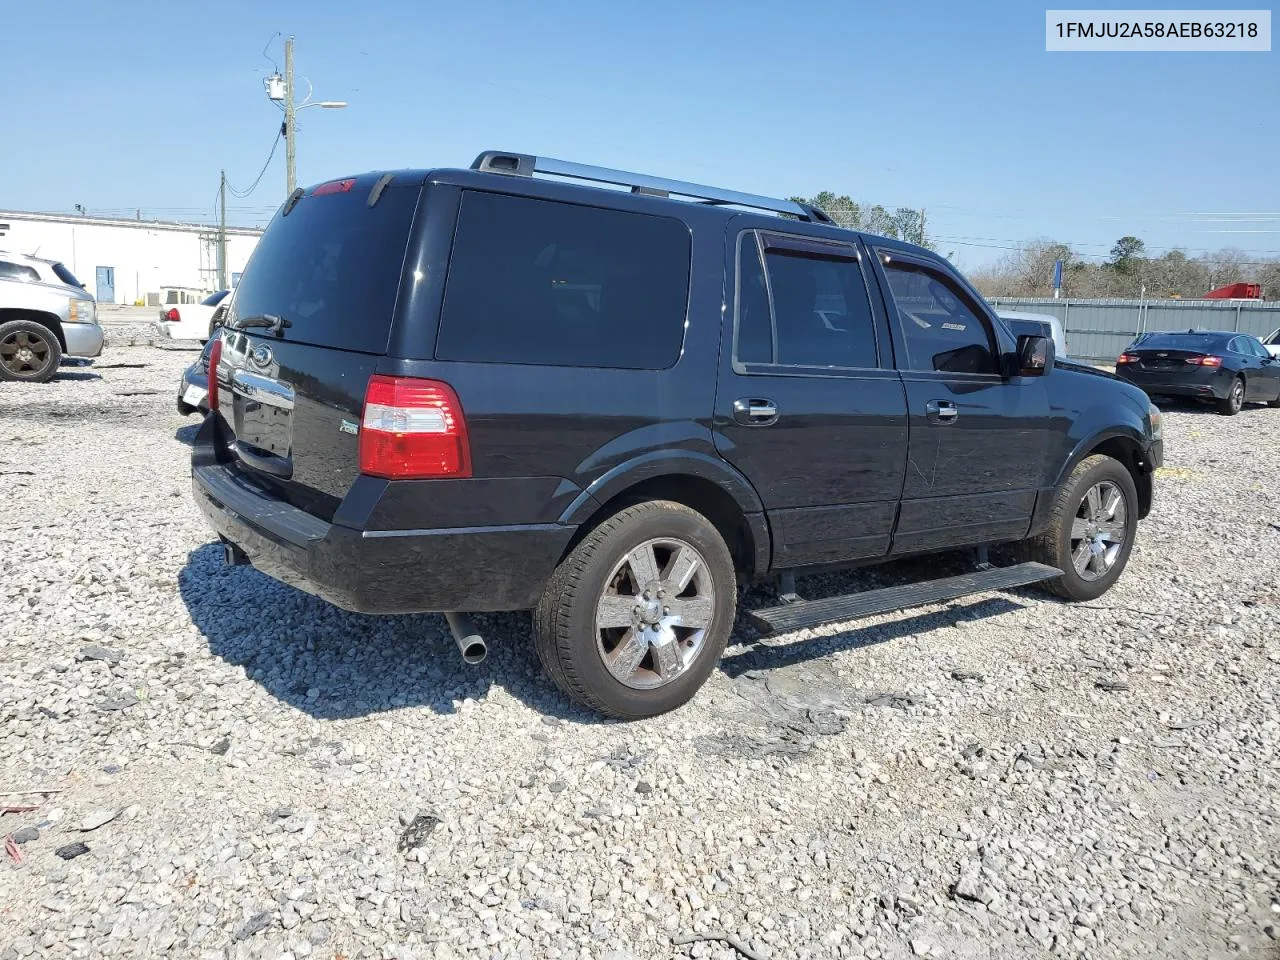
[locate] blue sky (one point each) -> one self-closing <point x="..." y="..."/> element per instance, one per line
<point x="955" y="108"/>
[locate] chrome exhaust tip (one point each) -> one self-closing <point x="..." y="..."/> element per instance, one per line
<point x="467" y="636"/>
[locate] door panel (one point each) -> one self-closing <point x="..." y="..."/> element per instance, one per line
<point x="978" y="440"/>
<point x="828" y="459"/>
<point x="972" y="479"/>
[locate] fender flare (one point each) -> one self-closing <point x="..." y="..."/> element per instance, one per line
<point x="659" y="463"/>
<point x="1081" y="449"/>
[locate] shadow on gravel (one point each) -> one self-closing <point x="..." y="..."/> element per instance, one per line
<point x="332" y="664"/>
<point x="335" y="665"/>
<point x="188" y="433"/>
<point x="74" y="374"/>
<point x="761" y="656"/>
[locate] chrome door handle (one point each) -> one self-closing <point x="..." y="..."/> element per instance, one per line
<point x="941" y="411"/>
<point x="755" y="412"/>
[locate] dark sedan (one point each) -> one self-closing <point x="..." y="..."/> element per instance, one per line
<point x="1231" y="369"/>
<point x="193" y="391"/>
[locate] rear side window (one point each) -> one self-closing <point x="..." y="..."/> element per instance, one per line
<point x="812" y="310"/>
<point x="17" y="271"/>
<point x="331" y="267"/>
<point x="942" y="330"/>
<point x="547" y="283"/>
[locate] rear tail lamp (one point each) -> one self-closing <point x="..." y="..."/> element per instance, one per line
<point x="413" y="429"/>
<point x="172" y="315"/>
<point x="1126" y="358"/>
<point x="1205" y="361"/>
<point x="215" y="358"/>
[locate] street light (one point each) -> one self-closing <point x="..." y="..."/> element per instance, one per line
<point x="281" y="89"/>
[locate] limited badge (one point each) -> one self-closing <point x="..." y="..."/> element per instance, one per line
<point x="346" y="426"/>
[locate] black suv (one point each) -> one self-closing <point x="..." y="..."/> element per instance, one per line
<point x="490" y="389"/>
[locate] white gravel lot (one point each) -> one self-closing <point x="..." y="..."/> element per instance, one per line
<point x="1005" y="776"/>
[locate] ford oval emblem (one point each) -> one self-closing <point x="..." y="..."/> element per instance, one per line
<point x="262" y="355"/>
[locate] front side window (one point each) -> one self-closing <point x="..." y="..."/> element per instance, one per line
<point x="942" y="330"/>
<point x="1274" y="338"/>
<point x="813" y="309"/>
<point x="17" y="271"/>
<point x="558" y="284"/>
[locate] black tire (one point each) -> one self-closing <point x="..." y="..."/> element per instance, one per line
<point x="29" y="352"/>
<point x="569" y="642"/>
<point x="1054" y="546"/>
<point x="1234" y="400"/>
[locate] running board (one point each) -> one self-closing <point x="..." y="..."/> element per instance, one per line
<point x="850" y="606"/>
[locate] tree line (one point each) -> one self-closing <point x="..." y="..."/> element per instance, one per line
<point x="1128" y="272"/>
<point x="902" y="223"/>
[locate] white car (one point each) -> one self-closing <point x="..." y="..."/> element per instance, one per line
<point x="1049" y="320"/>
<point x="191" y="321"/>
<point x="1272" y="343"/>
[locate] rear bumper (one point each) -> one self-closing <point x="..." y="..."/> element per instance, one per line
<point x="83" y="339"/>
<point x="379" y="571"/>
<point x="1207" y="383"/>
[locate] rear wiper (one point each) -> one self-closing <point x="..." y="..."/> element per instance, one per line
<point x="273" y="323"/>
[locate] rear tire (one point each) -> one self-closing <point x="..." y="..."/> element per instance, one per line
<point x="1234" y="400"/>
<point x="611" y="649"/>
<point x="1089" y="542"/>
<point x="29" y="352"/>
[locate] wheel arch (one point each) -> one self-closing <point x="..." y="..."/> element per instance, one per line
<point x="1128" y="448"/>
<point x="700" y="482"/>
<point x="49" y="320"/>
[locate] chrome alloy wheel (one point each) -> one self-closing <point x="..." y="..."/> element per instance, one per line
<point x="1098" y="531"/>
<point x="654" y="614"/>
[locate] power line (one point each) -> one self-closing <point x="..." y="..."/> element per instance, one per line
<point x="242" y="194"/>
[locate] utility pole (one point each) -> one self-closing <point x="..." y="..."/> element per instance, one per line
<point x="923" y="236"/>
<point x="222" y="232"/>
<point x="290" y="117"/>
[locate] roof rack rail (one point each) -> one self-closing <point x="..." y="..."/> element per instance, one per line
<point x="524" y="165"/>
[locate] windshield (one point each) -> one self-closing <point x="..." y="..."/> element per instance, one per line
<point x="214" y="299"/>
<point x="66" y="276"/>
<point x="1274" y="338"/>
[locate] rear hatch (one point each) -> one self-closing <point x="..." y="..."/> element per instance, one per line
<point x="310" y="319"/>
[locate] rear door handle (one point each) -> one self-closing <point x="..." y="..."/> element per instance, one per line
<point x="755" y="412"/>
<point x="941" y="411"/>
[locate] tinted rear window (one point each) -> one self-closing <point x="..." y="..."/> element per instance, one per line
<point x="332" y="268"/>
<point x="1182" y="341"/>
<point x="213" y="299"/>
<point x="540" y="282"/>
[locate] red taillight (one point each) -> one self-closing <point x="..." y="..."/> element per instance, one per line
<point x="413" y="429"/>
<point x="334" y="186"/>
<point x="1205" y="361"/>
<point x="215" y="357"/>
<point x="173" y="316"/>
<point x="1126" y="358"/>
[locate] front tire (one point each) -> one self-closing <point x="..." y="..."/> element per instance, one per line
<point x="1234" y="400"/>
<point x="636" y="617"/>
<point x="29" y="352"/>
<point x="1090" y="535"/>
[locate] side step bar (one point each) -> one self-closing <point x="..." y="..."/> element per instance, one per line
<point x="813" y="613"/>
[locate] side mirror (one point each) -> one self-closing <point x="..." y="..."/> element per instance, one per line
<point x="1035" y="356"/>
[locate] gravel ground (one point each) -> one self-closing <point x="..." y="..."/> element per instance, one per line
<point x="252" y="773"/>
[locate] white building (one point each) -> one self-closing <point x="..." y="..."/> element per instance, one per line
<point x="129" y="261"/>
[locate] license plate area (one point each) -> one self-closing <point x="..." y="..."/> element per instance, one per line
<point x="263" y="411"/>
